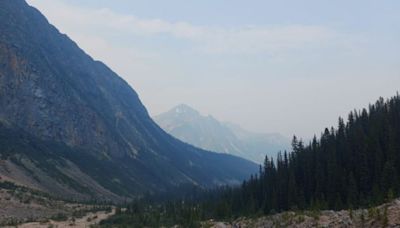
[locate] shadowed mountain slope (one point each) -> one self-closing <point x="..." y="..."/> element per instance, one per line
<point x="57" y="96"/>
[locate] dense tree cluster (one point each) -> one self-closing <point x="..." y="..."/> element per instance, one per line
<point x="355" y="165"/>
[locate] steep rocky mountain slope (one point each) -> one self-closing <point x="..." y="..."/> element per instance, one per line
<point x="70" y="125"/>
<point x="188" y="125"/>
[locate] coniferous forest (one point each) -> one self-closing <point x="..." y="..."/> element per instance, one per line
<point x="79" y="147"/>
<point x="356" y="164"/>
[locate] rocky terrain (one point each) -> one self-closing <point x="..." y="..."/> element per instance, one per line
<point x="91" y="219"/>
<point x="27" y="207"/>
<point x="387" y="215"/>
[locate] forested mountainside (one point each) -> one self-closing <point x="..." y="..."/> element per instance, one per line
<point x="188" y="125"/>
<point x="84" y="128"/>
<point x="355" y="165"/>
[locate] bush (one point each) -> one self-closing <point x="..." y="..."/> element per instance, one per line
<point x="60" y="217"/>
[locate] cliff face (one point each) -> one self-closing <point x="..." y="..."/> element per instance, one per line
<point x="51" y="89"/>
<point x="53" y="92"/>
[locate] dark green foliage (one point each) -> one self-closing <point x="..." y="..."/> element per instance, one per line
<point x="59" y="217"/>
<point x="355" y="165"/>
<point x="139" y="214"/>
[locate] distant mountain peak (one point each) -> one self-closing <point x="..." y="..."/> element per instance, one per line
<point x="205" y="131"/>
<point x="185" y="109"/>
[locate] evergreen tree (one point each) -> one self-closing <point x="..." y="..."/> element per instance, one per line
<point x="355" y="165"/>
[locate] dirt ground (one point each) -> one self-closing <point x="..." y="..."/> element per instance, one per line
<point x="86" y="221"/>
<point x="22" y="206"/>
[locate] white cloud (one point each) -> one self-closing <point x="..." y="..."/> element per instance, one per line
<point x="249" y="39"/>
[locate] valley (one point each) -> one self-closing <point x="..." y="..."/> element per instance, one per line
<point x="79" y="148"/>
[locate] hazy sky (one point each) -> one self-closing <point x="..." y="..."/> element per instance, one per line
<point x="271" y="66"/>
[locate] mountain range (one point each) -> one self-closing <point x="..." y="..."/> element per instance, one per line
<point x="188" y="125"/>
<point x="72" y="127"/>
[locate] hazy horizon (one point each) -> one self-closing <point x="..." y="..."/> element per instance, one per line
<point x="268" y="66"/>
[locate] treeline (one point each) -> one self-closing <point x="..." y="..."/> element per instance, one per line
<point x="354" y="165"/>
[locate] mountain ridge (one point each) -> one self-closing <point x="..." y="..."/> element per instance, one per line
<point x="188" y="125"/>
<point x="52" y="91"/>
